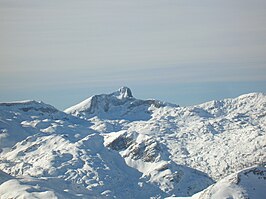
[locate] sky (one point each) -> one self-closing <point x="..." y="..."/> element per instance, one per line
<point x="185" y="52"/>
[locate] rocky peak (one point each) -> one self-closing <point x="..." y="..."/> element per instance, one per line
<point x="123" y="93"/>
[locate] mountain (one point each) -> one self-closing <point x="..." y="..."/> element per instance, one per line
<point x="13" y="113"/>
<point x="117" y="105"/>
<point x="63" y="153"/>
<point x="92" y="149"/>
<point x="249" y="183"/>
<point x="217" y="137"/>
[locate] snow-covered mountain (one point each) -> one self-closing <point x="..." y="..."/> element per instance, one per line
<point x="248" y="183"/>
<point x="61" y="150"/>
<point x="117" y="105"/>
<point x="114" y="145"/>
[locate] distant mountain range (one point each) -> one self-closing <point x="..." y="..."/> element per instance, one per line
<point x="117" y="146"/>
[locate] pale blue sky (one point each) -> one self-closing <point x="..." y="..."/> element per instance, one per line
<point x="185" y="52"/>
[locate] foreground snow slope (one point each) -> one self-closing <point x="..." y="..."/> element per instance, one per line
<point x="248" y="183"/>
<point x="26" y="187"/>
<point x="61" y="149"/>
<point x="94" y="148"/>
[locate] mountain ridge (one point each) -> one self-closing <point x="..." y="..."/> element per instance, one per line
<point x="164" y="149"/>
<point x="117" y="105"/>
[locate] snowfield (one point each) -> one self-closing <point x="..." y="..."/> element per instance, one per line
<point x="117" y="146"/>
<point x="248" y="183"/>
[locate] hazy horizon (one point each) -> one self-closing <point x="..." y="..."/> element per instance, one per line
<point x="177" y="51"/>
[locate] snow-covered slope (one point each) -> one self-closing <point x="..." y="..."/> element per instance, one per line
<point x="19" y="120"/>
<point x="61" y="149"/>
<point x="114" y="145"/>
<point x="151" y="157"/>
<point x="249" y="183"/>
<point x="117" y="105"/>
<point x="27" y="187"/>
<point x="217" y="137"/>
<point x="14" y="115"/>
